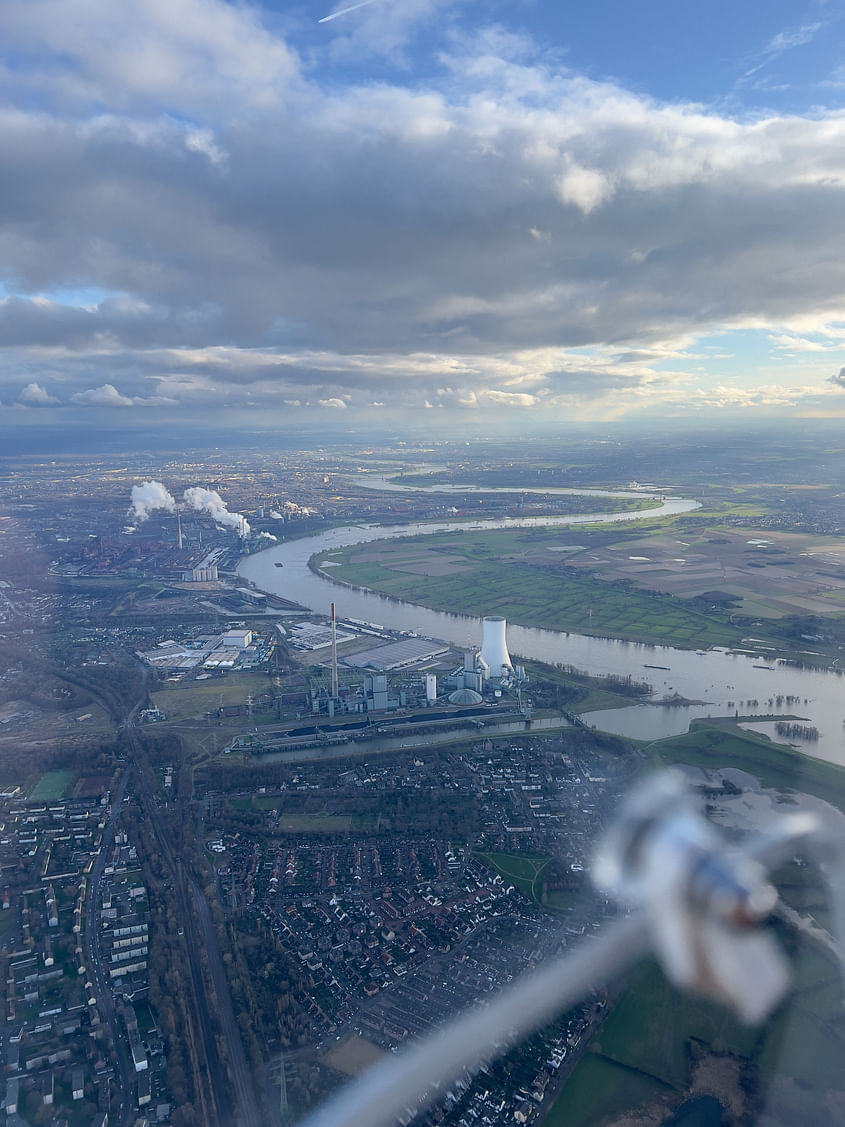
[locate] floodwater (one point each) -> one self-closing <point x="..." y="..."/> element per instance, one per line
<point x="721" y="683"/>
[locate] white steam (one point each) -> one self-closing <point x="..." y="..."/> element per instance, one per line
<point x="208" y="501"/>
<point x="152" y="495"/>
<point x="290" y="508"/>
<point x="147" y="497"/>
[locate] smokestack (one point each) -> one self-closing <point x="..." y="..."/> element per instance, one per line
<point x="179" y="529"/>
<point x="494" y="647"/>
<point x="334" y="651"/>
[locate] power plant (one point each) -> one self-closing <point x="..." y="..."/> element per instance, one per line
<point x="399" y="675"/>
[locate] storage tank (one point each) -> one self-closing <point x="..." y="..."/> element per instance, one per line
<point x="494" y="646"/>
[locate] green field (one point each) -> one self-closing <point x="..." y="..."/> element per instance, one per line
<point x="598" y="1088"/>
<point x="713" y="744"/>
<point x="659" y="1047"/>
<point x="193" y="699"/>
<point x="643" y="1047"/>
<point x="596" y="697"/>
<point x="524" y="872"/>
<point x="309" y="823"/>
<point x="52" y="786"/>
<point x="475" y="573"/>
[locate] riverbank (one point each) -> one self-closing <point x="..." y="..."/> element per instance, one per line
<point x="522" y="576"/>
<point x="726" y="681"/>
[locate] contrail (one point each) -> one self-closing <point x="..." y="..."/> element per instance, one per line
<point x="343" y="11"/>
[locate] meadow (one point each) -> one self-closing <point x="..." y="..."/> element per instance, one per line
<point x="520" y="870"/>
<point x="645" y="1047"/>
<point x="524" y="576"/>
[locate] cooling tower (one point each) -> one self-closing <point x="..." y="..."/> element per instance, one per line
<point x="494" y="647"/>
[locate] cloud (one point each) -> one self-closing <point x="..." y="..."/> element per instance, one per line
<point x="185" y="55"/>
<point x="210" y="501"/>
<point x="33" y="395"/>
<point x="383" y="28"/>
<point x="586" y="188"/>
<point x="793" y="37"/>
<point x="779" y="44"/>
<point x="839" y="378"/>
<point x="107" y="395"/>
<point x="505" y="234"/>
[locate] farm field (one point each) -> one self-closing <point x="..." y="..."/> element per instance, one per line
<point x="677" y="581"/>
<point x="519" y="574"/>
<point x="768" y="573"/>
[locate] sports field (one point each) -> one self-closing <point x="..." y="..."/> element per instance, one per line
<point x="52" y="786"/>
<point x="353" y="1054"/>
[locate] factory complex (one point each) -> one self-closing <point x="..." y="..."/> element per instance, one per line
<point x="238" y="647"/>
<point x="359" y="681"/>
<point x="342" y="680"/>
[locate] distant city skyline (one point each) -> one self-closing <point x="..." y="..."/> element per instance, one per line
<point x="510" y="213"/>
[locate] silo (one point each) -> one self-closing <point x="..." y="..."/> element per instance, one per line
<point x="431" y="687"/>
<point x="494" y="647"/>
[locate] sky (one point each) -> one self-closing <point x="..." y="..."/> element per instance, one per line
<point x="420" y="212"/>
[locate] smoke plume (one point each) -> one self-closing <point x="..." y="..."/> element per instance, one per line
<point x="208" y="501"/>
<point x="147" y="497"/>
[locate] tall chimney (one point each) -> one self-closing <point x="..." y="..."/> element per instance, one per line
<point x="334" y="651"/>
<point x="179" y="528"/>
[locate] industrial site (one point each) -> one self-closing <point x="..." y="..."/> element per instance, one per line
<point x="344" y="814"/>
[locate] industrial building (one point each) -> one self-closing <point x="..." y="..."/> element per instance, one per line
<point x="360" y="682"/>
<point x="408" y="651"/>
<point x="237" y="639"/>
<point x="200" y="575"/>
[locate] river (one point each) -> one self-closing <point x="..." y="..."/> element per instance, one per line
<point x="724" y="682"/>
